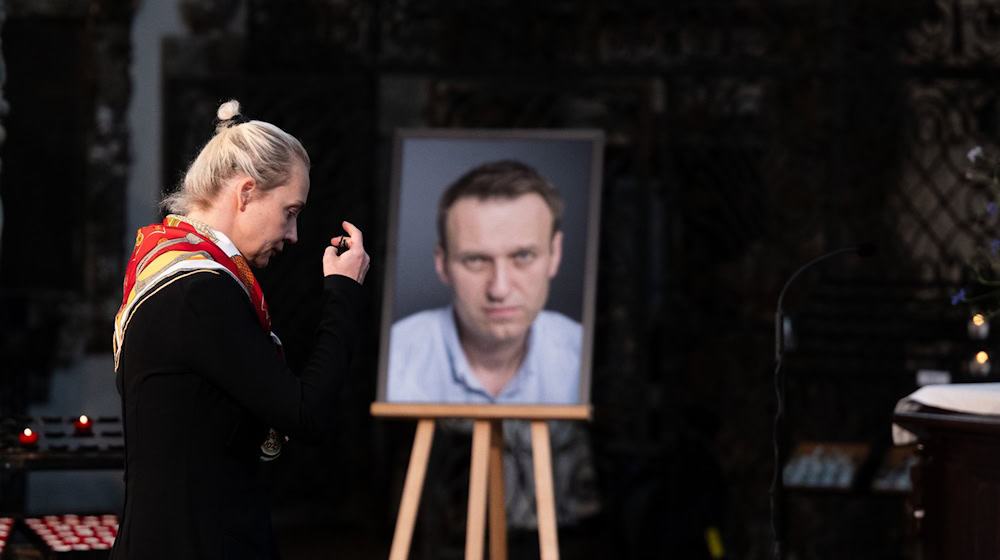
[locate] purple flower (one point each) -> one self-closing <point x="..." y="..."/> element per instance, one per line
<point x="991" y="208"/>
<point x="959" y="297"/>
<point x="995" y="246"/>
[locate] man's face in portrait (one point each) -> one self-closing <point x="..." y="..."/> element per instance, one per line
<point x="500" y="255"/>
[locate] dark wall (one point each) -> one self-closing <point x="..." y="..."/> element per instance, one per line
<point x="64" y="164"/>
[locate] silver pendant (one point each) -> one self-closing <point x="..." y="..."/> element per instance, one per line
<point x="271" y="448"/>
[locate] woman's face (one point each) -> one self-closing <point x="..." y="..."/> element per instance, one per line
<point x="268" y="219"/>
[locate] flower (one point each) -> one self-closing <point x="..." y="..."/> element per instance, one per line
<point x="958" y="297"/>
<point x="985" y="168"/>
<point x="974" y="153"/>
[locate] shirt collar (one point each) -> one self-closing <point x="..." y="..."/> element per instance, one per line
<point x="462" y="372"/>
<point x="217" y="237"/>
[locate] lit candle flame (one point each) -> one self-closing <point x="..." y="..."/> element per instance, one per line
<point x="27" y="432"/>
<point x="84" y="419"/>
<point x="978" y="319"/>
<point x="982" y="357"/>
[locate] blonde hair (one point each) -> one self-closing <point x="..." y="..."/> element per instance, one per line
<point x="257" y="149"/>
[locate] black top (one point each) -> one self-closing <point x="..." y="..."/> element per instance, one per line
<point x="200" y="383"/>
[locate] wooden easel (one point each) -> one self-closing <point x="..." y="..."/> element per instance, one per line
<point x="486" y="471"/>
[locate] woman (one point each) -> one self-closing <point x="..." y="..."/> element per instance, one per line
<point x="205" y="392"/>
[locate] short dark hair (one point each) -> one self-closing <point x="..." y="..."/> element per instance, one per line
<point x="505" y="179"/>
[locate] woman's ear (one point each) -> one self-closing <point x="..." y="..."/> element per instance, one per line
<point x="244" y="190"/>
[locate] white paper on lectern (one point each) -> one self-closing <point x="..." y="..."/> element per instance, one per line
<point x="969" y="398"/>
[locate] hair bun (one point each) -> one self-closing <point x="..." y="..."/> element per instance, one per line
<point x="228" y="110"/>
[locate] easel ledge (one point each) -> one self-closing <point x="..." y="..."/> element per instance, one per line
<point x="483" y="411"/>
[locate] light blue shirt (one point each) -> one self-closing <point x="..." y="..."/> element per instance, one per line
<point x="427" y="363"/>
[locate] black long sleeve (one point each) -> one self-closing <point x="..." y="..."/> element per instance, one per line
<point x="200" y="382"/>
<point x="239" y="357"/>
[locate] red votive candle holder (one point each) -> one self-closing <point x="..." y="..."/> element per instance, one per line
<point x="28" y="437"/>
<point x="82" y="426"/>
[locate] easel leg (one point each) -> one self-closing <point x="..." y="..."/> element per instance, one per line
<point x="414" y="484"/>
<point x="541" y="450"/>
<point x="478" y="471"/>
<point x="498" y="510"/>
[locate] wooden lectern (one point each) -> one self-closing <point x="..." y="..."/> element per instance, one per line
<point x="956" y="484"/>
<point x="486" y="472"/>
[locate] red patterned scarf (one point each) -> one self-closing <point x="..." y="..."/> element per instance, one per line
<point x="178" y="245"/>
<point x="172" y="250"/>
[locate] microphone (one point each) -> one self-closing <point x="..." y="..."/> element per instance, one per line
<point x="777" y="485"/>
<point x="862" y="250"/>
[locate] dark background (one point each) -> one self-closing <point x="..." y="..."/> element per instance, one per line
<point x="744" y="138"/>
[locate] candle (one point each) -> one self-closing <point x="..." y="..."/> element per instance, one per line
<point x="980" y="364"/>
<point x="28" y="437"/>
<point x="83" y="426"/>
<point x="978" y="327"/>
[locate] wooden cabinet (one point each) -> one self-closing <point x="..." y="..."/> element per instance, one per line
<point x="956" y="484"/>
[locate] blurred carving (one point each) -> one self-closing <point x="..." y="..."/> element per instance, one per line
<point x="205" y="16"/>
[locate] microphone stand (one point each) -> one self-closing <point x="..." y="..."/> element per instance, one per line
<point x="777" y="492"/>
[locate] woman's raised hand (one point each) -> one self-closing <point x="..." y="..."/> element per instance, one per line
<point x="346" y="255"/>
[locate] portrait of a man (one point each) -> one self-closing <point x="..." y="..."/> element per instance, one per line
<point x="499" y="245"/>
<point x="507" y="254"/>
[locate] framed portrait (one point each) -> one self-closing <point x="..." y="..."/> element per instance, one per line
<point x="491" y="266"/>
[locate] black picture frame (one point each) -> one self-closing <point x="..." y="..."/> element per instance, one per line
<point x="426" y="161"/>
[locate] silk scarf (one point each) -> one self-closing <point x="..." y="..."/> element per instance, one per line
<point x="175" y="249"/>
